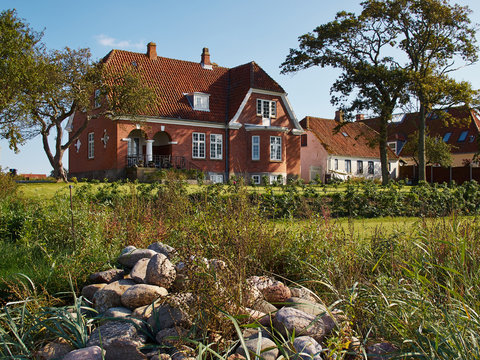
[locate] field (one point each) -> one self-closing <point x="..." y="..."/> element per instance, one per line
<point x="410" y="280"/>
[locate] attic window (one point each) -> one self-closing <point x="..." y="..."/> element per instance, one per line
<point x="471" y="138"/>
<point x="462" y="136"/>
<point x="446" y="137"/>
<point x="199" y="101"/>
<point x="344" y="134"/>
<point x="134" y="63"/>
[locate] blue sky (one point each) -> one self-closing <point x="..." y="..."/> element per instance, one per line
<point x="236" y="32"/>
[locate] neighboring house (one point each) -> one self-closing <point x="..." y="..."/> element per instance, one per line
<point x="459" y="127"/>
<point x="329" y="150"/>
<point x="221" y="121"/>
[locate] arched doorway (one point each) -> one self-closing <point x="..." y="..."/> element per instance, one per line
<point x="136" y="148"/>
<point x="162" y="144"/>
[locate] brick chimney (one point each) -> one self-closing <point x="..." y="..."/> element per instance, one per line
<point x="339" y="115"/>
<point x="359" y="117"/>
<point x="152" y="51"/>
<point x="205" y="62"/>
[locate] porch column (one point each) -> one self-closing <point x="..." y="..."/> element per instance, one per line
<point x="149" y="144"/>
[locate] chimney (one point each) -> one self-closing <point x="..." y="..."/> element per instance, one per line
<point x="339" y="115"/>
<point x="152" y="51"/>
<point x="360" y="117"/>
<point x="206" y="64"/>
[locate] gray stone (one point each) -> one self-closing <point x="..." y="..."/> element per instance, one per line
<point x="160" y="271"/>
<point x="162" y="248"/>
<point x="173" y="313"/>
<point x="139" y="271"/>
<point x="129" y="259"/>
<point x="120" y="339"/>
<point x="88" y="353"/>
<point x="127" y="249"/>
<point x="54" y="350"/>
<point x="107" y="276"/>
<point x="268" y="349"/>
<point x="171" y="336"/>
<point x="117" y="312"/>
<point x="260" y="282"/>
<point x="264" y="306"/>
<point x="288" y="320"/>
<point x="110" y="295"/>
<point x="141" y="295"/>
<point x="381" y="351"/>
<point x="308" y="348"/>
<point x="89" y="291"/>
<point x="307" y="306"/>
<point x="303" y="293"/>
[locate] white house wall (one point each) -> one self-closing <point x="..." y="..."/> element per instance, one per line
<point x="341" y="173"/>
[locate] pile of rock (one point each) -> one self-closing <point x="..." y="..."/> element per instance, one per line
<point x="148" y="298"/>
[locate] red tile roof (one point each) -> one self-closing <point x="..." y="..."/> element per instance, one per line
<point x="171" y="79"/>
<point x="360" y="140"/>
<point x="457" y="121"/>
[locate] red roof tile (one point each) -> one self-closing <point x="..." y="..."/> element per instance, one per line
<point x="360" y="140"/>
<point x="438" y="124"/>
<point x="171" y="79"/>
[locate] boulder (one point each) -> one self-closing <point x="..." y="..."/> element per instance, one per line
<point x="287" y="320"/>
<point x="162" y="248"/>
<point x="129" y="259"/>
<point x="127" y="249"/>
<point x="173" y="313"/>
<point x="268" y="349"/>
<point x="308" y="348"/>
<point x="381" y="351"/>
<point x="139" y="271"/>
<point x="264" y="306"/>
<point x="277" y="292"/>
<point x="110" y="295"/>
<point x="117" y="312"/>
<point x="160" y="271"/>
<point x="170" y="336"/>
<point x="88" y="353"/>
<point x="141" y="295"/>
<point x="54" y="350"/>
<point x="303" y="293"/>
<point x="307" y="306"/>
<point x="120" y="340"/>
<point x="260" y="282"/>
<point x="89" y="291"/>
<point x="107" y="276"/>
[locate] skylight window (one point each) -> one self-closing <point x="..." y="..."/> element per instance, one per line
<point x="344" y="134"/>
<point x="462" y="136"/>
<point x="446" y="137"/>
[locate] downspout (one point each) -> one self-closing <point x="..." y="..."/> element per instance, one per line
<point x="227" y="133"/>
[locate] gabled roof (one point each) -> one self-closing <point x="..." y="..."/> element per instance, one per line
<point x="171" y="79"/>
<point x="453" y="121"/>
<point x="353" y="139"/>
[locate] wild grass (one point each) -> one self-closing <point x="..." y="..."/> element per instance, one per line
<point x="411" y="281"/>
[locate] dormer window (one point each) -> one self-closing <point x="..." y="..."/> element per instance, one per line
<point x="199" y="101"/>
<point x="267" y="109"/>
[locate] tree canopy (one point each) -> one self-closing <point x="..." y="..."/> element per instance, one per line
<point x="437" y="152"/>
<point x="58" y="83"/>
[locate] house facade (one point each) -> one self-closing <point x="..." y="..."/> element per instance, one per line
<point x="334" y="149"/>
<point x="458" y="127"/>
<point x="223" y="121"/>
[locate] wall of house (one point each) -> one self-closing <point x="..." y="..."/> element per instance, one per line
<point x="341" y="172"/>
<point x="313" y="159"/>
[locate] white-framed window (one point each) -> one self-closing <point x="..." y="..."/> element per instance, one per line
<point x="393" y="146"/>
<point x="216" y="179"/>
<point x="216" y="146"/>
<point x="359" y="167"/>
<point x="266" y="108"/>
<point x="275" y="148"/>
<point x="371" y="168"/>
<point x="91" y="145"/>
<point x="348" y="166"/>
<point x="201" y="102"/>
<point x="97" y="103"/>
<point x="255" y="147"/>
<point x="335" y="164"/>
<point x="198" y="145"/>
<point x="256" y="179"/>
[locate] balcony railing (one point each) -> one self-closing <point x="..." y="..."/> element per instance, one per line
<point x="157" y="161"/>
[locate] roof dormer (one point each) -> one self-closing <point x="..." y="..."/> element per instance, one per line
<point x="199" y="101"/>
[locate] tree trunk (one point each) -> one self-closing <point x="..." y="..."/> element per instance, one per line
<point x="383" y="149"/>
<point x="55" y="161"/>
<point x="421" y="144"/>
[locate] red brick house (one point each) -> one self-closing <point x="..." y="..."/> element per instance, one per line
<point x="222" y="121"/>
<point x="332" y="148"/>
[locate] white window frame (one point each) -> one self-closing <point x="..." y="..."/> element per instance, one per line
<point x="91" y="145"/>
<point x="348" y="166"/>
<point x="275" y="148"/>
<point x="371" y="168"/>
<point x="198" y="145"/>
<point x="256" y="179"/>
<point x="360" y="168"/>
<point x="216" y="146"/>
<point x="201" y="102"/>
<point x="216" y="178"/>
<point x="335" y="164"/>
<point x="255" y="147"/>
<point x="267" y="109"/>
<point x="393" y="146"/>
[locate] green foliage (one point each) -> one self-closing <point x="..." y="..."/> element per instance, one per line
<point x="436" y="151"/>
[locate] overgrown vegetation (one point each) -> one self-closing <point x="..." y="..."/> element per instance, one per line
<point x="415" y="287"/>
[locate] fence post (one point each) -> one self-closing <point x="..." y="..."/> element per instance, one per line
<point x="471" y="171"/>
